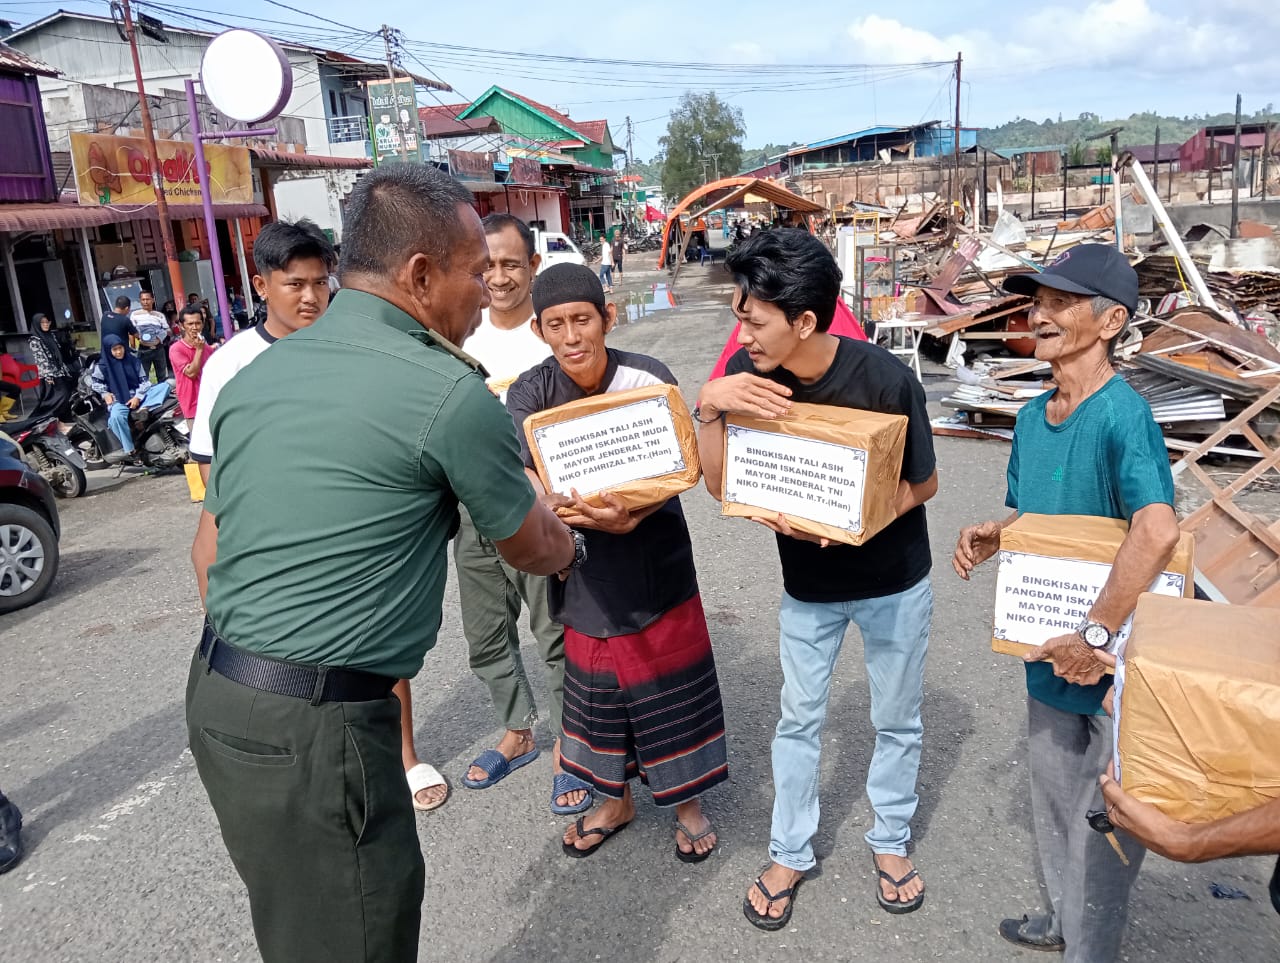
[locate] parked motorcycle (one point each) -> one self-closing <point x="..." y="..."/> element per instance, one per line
<point x="47" y="450"/>
<point x="157" y="442"/>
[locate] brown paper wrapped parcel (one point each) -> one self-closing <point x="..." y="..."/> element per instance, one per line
<point x="1199" y="708"/>
<point x="832" y="472"/>
<point x="638" y="444"/>
<point x="1052" y="568"/>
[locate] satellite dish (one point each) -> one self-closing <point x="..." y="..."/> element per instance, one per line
<point x="246" y="76"/>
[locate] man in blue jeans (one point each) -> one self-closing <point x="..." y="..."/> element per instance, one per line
<point x="787" y="285"/>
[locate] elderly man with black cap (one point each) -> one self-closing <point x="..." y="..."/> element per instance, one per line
<point x="641" y="695"/>
<point x="1088" y="447"/>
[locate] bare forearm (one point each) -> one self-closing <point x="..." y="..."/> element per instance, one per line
<point x="1254" y="833"/>
<point x="1145" y="551"/>
<point x="711" y="455"/>
<point x="204" y="551"/>
<point x="910" y="496"/>
<point x="542" y="546"/>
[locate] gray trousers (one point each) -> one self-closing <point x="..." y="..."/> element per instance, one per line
<point x="490" y="592"/>
<point x="1088" y="886"/>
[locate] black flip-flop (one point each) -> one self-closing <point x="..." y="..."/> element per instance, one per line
<point x="693" y="856"/>
<point x="765" y="921"/>
<point x="897" y="907"/>
<point x="604" y="834"/>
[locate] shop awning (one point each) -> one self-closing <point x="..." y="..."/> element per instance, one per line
<point x="262" y="157"/>
<point x="69" y="214"/>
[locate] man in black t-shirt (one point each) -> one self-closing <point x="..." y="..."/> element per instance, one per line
<point x="787" y="286"/>
<point x="118" y="322"/>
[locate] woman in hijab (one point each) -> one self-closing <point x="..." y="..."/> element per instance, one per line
<point x="117" y="376"/>
<point x="56" y="379"/>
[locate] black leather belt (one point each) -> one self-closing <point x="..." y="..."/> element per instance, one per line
<point x="315" y="683"/>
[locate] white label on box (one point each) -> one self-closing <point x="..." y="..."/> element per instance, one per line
<point x="817" y="480"/>
<point x="597" y="452"/>
<point x="1039" y="597"/>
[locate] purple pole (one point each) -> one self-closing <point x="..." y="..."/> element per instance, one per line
<point x="210" y="224"/>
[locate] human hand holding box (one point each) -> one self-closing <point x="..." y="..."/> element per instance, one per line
<point x="1051" y="569"/>
<point x="638" y="445"/>
<point x="832" y="472"/>
<point x="1198" y="712"/>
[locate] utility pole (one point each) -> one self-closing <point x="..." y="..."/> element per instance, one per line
<point x="387" y="33"/>
<point x="705" y="164"/>
<point x="1266" y="156"/>
<point x="153" y="156"/>
<point x="1155" y="162"/>
<point x="1235" y="177"/>
<point x="715" y="159"/>
<point x="955" y="184"/>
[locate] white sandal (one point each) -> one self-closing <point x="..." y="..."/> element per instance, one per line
<point x="425" y="776"/>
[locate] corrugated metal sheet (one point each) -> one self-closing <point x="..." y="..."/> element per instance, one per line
<point x="69" y="214"/>
<point x="263" y="157"/>
<point x="17" y="61"/>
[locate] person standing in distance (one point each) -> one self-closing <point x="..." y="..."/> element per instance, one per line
<point x="153" y="332"/>
<point x="321" y="558"/>
<point x="490" y="591"/>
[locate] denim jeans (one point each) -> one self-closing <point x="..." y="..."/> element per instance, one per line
<point x="118" y="416"/>
<point x="606" y="275"/>
<point x="895" y="637"/>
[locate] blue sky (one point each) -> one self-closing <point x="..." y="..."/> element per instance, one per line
<point x="1110" y="57"/>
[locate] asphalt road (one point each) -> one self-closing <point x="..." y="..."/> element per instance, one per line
<point x="125" y="862"/>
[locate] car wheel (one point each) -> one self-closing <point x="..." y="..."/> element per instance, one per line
<point x="28" y="557"/>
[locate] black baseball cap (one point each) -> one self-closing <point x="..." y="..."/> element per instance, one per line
<point x="1091" y="269"/>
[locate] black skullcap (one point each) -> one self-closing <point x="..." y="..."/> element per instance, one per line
<point x="567" y="284"/>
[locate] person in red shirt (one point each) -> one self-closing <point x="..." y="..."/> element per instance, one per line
<point x="188" y="356"/>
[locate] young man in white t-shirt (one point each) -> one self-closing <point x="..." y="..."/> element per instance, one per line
<point x="490" y="591"/>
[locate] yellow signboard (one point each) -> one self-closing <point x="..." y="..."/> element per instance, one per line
<point x="117" y="170"/>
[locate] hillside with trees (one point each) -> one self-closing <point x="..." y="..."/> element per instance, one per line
<point x="1139" y="129"/>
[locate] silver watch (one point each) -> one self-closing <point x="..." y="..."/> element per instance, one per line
<point x="579" y="549"/>
<point x="1095" y="634"/>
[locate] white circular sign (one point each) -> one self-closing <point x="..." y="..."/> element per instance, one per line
<point x="246" y="76"/>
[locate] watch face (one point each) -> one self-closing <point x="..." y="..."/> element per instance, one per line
<point x="1097" y="635"/>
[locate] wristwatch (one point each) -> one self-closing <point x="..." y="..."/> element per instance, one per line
<point x="579" y="549"/>
<point x="1095" y="634"/>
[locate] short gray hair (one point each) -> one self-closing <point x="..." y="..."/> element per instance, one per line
<point x="1100" y="304"/>
<point x="397" y="211"/>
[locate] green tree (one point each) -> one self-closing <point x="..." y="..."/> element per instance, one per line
<point x="702" y="128"/>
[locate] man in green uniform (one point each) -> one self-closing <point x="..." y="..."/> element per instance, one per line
<point x="321" y="559"/>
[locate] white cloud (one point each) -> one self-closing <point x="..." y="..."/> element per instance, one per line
<point x="1132" y="37"/>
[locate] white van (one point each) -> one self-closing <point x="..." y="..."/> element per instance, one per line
<point x="556" y="249"/>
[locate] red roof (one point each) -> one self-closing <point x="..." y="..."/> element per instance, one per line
<point x="592" y="131"/>
<point x="449" y="111"/>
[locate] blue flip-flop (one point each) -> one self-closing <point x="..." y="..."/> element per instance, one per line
<point x="497" y="767"/>
<point x="564" y="783"/>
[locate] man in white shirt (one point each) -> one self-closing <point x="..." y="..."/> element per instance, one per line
<point x="490" y="591"/>
<point x="153" y="332"/>
<point x="293" y="262"/>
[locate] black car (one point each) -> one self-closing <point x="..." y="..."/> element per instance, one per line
<point x="29" y="531"/>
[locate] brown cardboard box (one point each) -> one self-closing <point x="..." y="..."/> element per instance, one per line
<point x="1052" y="568"/>
<point x="1199" y="708"/>
<point x="833" y="472"/>
<point x="639" y="445"/>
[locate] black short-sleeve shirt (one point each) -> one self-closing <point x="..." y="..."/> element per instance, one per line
<point x="629" y="580"/>
<point x="867" y="377"/>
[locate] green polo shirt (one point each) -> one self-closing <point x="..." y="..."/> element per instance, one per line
<point x="340" y="455"/>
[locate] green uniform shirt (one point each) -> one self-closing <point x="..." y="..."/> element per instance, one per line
<point x="340" y="455"/>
